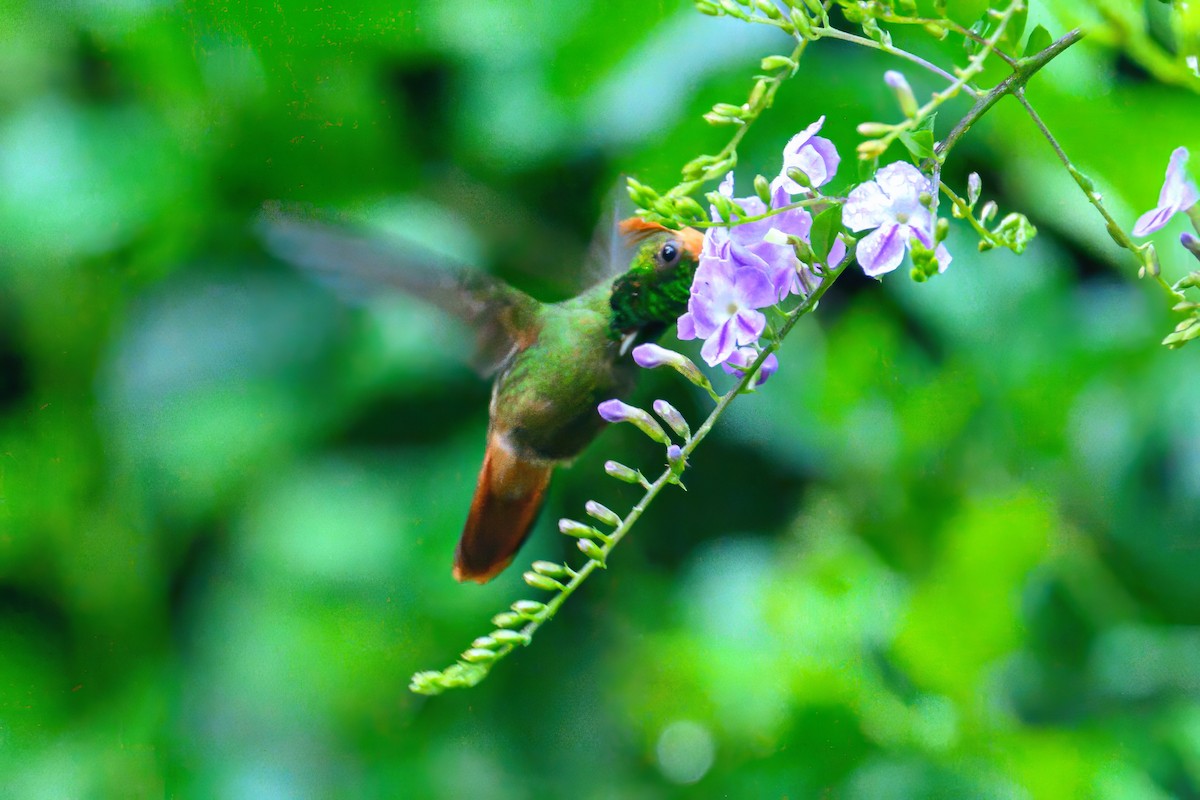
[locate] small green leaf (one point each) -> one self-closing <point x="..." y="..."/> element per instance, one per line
<point x="919" y="144"/>
<point x="1039" y="40"/>
<point x="826" y="227"/>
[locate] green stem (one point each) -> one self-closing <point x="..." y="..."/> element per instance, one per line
<point x="1114" y="230"/>
<point x="827" y="32"/>
<point x="1026" y="69"/>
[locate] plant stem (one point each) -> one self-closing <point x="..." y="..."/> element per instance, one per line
<point x="1114" y="230"/>
<point x="1026" y="69"/>
<point x="827" y="32"/>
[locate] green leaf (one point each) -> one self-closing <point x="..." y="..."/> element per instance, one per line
<point x="826" y="227"/>
<point x="1039" y="40"/>
<point x="919" y="143"/>
<point x="1014" y="29"/>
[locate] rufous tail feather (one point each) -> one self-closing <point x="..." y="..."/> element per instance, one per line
<point x="508" y="496"/>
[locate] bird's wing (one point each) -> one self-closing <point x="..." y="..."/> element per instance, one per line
<point x="357" y="266"/>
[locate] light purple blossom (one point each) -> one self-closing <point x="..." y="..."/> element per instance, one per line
<point x="891" y="205"/>
<point x="751" y="265"/>
<point x="753" y="244"/>
<point x="723" y="308"/>
<point x="813" y="155"/>
<point x="1178" y="194"/>
<point x="743" y="357"/>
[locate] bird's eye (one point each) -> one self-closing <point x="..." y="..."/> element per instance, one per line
<point x="669" y="253"/>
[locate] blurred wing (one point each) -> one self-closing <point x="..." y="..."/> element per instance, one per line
<point x="357" y="266"/>
<point x="611" y="250"/>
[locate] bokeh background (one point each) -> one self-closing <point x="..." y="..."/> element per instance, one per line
<point x="951" y="550"/>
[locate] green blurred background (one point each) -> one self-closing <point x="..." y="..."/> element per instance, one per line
<point x="951" y="550"/>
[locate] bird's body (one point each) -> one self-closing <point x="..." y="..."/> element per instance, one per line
<point x="554" y="363"/>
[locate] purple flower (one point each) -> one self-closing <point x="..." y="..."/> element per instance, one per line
<point x="743" y="357"/>
<point x="1178" y="194"/>
<point x="763" y="243"/>
<point x="813" y="155"/>
<point x="723" y="308"/>
<point x="891" y="204"/>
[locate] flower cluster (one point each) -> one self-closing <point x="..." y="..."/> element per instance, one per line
<point x="896" y="204"/>
<point x="752" y="263"/>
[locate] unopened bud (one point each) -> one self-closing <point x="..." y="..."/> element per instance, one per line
<point x="550" y="569"/>
<point x="1191" y="243"/>
<point x="873" y="129"/>
<point x="762" y="188"/>
<point x="904" y="93"/>
<point x="705" y="7"/>
<point x="616" y="411"/>
<point x="569" y="527"/>
<point x="772" y="63"/>
<point x="772" y="11"/>
<point x="539" y="581"/>
<point x="1150" y="259"/>
<point x="591" y="550"/>
<point x="510" y="637"/>
<point x="602" y="513"/>
<point x="506" y="619"/>
<point x="974" y="186"/>
<point x="529" y="609"/>
<point x="484" y="643"/>
<point x="872" y="148"/>
<point x="941" y="230"/>
<point x="988" y="211"/>
<point x="651" y="356"/>
<point x="800" y="176"/>
<point x="623" y="473"/>
<point x="670" y="415"/>
<point x="477" y="655"/>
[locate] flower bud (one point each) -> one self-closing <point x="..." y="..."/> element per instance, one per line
<point x="1191" y="243"/>
<point x="1150" y="260"/>
<point x="542" y="582"/>
<point x="602" y="513"/>
<point x="873" y="129"/>
<point x="800" y="176"/>
<point x="591" y="550"/>
<point x="705" y="7"/>
<point x="569" y="527"/>
<point x="510" y="637"/>
<point x="616" y="411"/>
<point x="713" y="118"/>
<point x="974" y="186"/>
<point x="529" y="609"/>
<point x="651" y="356"/>
<point x="904" y="93"/>
<point x="484" y="643"/>
<point x="872" y="148"/>
<point x="762" y="188"/>
<point x="988" y="211"/>
<point x="772" y="63"/>
<point x="623" y="473"/>
<point x="772" y="11"/>
<point x="675" y="458"/>
<point x="478" y="655"/>
<point x="670" y="415"/>
<point x="550" y="569"/>
<point x="507" y="619"/>
<point x="802" y="23"/>
<point x="941" y="229"/>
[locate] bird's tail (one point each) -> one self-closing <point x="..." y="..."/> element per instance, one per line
<point x="508" y="497"/>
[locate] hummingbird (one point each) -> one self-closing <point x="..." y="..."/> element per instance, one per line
<point x="552" y="363"/>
